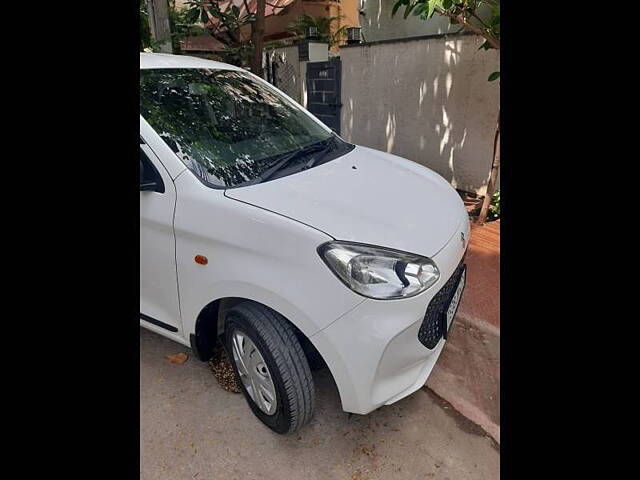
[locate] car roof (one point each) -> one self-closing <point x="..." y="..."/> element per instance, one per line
<point x="165" y="60"/>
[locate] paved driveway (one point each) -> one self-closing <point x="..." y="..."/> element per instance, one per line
<point x="191" y="428"/>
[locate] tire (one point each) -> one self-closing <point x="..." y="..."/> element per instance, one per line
<point x="287" y="368"/>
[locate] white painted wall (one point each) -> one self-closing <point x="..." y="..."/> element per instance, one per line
<point x="318" y="52"/>
<point x="377" y="23"/>
<point x="425" y="100"/>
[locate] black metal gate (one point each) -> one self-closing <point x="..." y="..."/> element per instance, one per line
<point x="323" y="92"/>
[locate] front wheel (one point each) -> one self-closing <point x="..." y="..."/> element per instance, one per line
<point x="271" y="366"/>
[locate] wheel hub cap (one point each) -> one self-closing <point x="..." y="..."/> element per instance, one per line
<point x="254" y="373"/>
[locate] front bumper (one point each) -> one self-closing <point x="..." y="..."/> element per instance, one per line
<point x="373" y="351"/>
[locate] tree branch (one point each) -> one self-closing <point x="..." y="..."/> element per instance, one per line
<point x="495" y="43"/>
<point x="480" y="20"/>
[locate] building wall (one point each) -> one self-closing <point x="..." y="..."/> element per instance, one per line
<point x="377" y="23"/>
<point x="275" y="25"/>
<point x="346" y="10"/>
<point x="427" y="100"/>
<point x="287" y="71"/>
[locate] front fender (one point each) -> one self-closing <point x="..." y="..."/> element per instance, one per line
<point x="255" y="254"/>
<point x="258" y="294"/>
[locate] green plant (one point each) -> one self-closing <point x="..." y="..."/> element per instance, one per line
<point x="240" y="55"/>
<point x="224" y="20"/>
<point x="275" y="44"/>
<point x="180" y="25"/>
<point x="324" y="25"/>
<point x="494" y="208"/>
<point x="145" y="32"/>
<point x="180" y="20"/>
<point x="223" y="24"/>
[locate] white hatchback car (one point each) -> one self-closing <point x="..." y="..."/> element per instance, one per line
<point x="261" y="227"/>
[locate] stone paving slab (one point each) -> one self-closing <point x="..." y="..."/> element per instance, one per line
<point x="467" y="374"/>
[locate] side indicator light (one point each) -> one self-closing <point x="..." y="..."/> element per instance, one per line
<point x="201" y="260"/>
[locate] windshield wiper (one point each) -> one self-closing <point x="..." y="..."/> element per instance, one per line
<point x="329" y="144"/>
<point x="287" y="159"/>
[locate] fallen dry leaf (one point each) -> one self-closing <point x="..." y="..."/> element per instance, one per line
<point x="221" y="367"/>
<point x="178" y="358"/>
<point x="370" y="451"/>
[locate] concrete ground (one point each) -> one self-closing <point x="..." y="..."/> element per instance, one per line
<point x="191" y="428"/>
<point x="467" y="375"/>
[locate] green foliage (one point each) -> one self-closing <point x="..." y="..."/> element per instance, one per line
<point x="458" y="11"/>
<point x="324" y="25"/>
<point x="224" y="25"/>
<point x="145" y="32"/>
<point x="182" y="25"/>
<point x="240" y="55"/>
<point x="179" y="22"/>
<point x="230" y="19"/>
<point x="275" y="44"/>
<point x="494" y="208"/>
<point x="465" y="12"/>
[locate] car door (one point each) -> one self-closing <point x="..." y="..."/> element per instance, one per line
<point x="159" y="307"/>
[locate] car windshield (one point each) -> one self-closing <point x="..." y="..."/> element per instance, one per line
<point x="225" y="126"/>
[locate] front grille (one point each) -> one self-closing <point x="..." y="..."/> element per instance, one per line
<point x="434" y="323"/>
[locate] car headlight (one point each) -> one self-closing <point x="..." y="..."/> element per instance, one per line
<point x="379" y="273"/>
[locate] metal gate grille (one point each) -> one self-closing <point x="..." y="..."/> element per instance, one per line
<point x="285" y="79"/>
<point x="323" y="92"/>
<point x="281" y="73"/>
